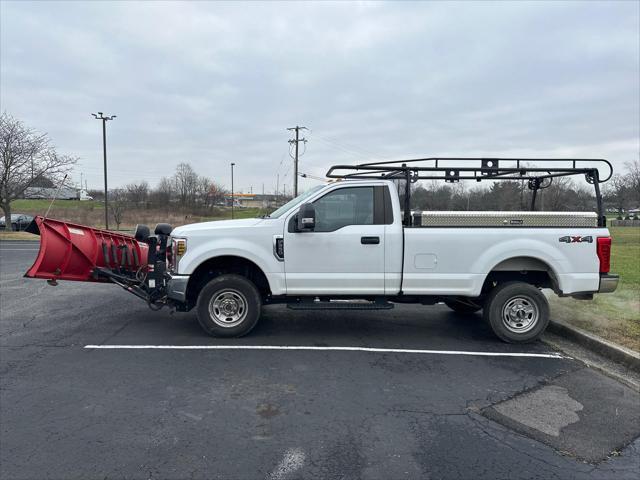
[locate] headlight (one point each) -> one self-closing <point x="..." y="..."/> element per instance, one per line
<point x="178" y="250"/>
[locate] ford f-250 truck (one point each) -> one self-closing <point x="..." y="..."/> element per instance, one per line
<point x="350" y="244"/>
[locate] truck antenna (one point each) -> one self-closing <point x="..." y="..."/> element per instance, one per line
<point x="55" y="195"/>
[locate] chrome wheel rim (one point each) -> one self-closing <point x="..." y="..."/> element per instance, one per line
<point x="520" y="314"/>
<point x="228" y="308"/>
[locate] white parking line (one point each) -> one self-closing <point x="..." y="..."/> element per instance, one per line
<point x="316" y="348"/>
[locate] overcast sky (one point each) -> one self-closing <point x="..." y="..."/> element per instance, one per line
<point x="211" y="83"/>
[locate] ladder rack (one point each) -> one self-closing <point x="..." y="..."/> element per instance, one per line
<point x="538" y="172"/>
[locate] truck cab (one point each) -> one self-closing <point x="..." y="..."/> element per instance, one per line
<point x="341" y="250"/>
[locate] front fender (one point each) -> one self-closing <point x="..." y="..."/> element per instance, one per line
<point x="258" y="254"/>
<point x="249" y="249"/>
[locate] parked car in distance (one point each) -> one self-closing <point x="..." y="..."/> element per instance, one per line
<point x="19" y="221"/>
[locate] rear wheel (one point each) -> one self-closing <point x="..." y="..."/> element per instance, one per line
<point x="14" y="227"/>
<point x="463" y="306"/>
<point x="228" y="306"/>
<point x="517" y="312"/>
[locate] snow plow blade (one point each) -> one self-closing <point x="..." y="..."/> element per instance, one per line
<point x="75" y="252"/>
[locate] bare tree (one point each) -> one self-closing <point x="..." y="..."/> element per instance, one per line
<point x="26" y="157"/>
<point x="163" y="193"/>
<point x="556" y="196"/>
<point x="203" y="188"/>
<point x="634" y="182"/>
<point x="186" y="183"/>
<point x="216" y="193"/>
<point x="208" y="192"/>
<point x="137" y="193"/>
<point x="118" y="205"/>
<point x="564" y="194"/>
<point x="618" y="192"/>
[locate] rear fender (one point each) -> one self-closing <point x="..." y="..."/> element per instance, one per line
<point x="536" y="250"/>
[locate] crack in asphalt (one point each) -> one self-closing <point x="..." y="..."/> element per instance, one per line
<point x="477" y="422"/>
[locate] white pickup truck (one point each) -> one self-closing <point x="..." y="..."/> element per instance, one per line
<point x="349" y="244"/>
<point x="343" y="245"/>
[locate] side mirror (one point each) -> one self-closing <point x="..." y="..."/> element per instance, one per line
<point x="306" y="218"/>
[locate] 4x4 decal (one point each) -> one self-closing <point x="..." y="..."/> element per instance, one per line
<point x="576" y="239"/>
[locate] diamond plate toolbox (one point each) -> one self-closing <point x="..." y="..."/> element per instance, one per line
<point x="505" y="219"/>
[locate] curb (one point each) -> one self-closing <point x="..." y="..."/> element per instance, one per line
<point x="19" y="239"/>
<point x="597" y="344"/>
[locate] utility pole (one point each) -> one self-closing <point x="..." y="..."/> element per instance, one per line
<point x="104" y="119"/>
<point x="277" y="186"/>
<point x="295" y="159"/>
<point x="232" y="164"/>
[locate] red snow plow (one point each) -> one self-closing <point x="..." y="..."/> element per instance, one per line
<point x="75" y="252"/>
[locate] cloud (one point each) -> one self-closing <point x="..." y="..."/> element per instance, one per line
<point x="211" y="83"/>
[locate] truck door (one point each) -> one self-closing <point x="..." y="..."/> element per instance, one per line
<point x="344" y="254"/>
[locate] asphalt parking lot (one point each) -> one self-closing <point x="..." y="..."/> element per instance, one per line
<point x="202" y="411"/>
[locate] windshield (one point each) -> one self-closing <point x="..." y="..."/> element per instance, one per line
<point x="296" y="201"/>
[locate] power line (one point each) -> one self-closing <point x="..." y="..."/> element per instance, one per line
<point x="286" y="173"/>
<point x="355" y="151"/>
<point x="296" y="142"/>
<point x="281" y="162"/>
<point x="313" y="177"/>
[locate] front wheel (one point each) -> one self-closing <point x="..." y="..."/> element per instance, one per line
<point x="228" y="306"/>
<point x="517" y="312"/>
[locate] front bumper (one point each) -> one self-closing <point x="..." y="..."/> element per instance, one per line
<point x="608" y="282"/>
<point x="177" y="288"/>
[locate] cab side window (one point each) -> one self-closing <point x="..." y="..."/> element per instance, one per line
<point x="342" y="207"/>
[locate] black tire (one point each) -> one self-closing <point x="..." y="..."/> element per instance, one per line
<point x="517" y="312"/>
<point x="14" y="227"/>
<point x="461" y="306"/>
<point x="228" y="306"/>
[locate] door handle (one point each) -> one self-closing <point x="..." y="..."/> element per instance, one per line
<point x="370" y="240"/>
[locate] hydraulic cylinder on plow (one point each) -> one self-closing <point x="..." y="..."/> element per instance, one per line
<point x="75" y="252"/>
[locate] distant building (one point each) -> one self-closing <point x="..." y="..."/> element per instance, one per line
<point x="255" y="200"/>
<point x="41" y="181"/>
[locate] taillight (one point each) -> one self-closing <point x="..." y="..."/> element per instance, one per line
<point x="604" y="253"/>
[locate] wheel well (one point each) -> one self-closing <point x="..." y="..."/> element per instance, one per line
<point x="522" y="269"/>
<point x="216" y="266"/>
